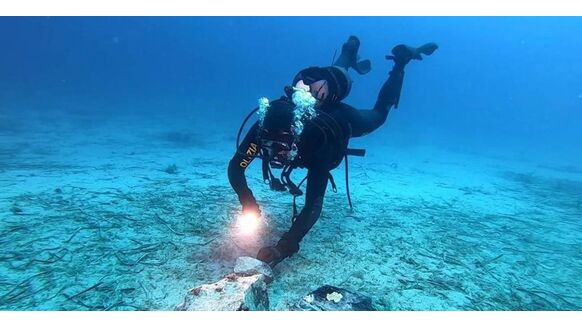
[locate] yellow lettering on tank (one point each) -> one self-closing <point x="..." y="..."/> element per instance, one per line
<point x="244" y="163"/>
<point x="251" y="151"/>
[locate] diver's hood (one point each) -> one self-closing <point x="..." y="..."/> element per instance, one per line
<point x="339" y="81"/>
<point x="276" y="137"/>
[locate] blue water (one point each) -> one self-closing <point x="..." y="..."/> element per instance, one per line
<point x="469" y="197"/>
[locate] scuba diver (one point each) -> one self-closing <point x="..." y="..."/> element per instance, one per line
<point x="310" y="128"/>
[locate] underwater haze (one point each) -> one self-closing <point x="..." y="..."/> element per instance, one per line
<point x="116" y="133"/>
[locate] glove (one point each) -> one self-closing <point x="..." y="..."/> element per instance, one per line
<point x="273" y="255"/>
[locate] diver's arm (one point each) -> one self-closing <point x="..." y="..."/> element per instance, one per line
<point x="238" y="164"/>
<point x="316" y="184"/>
<point x="366" y="121"/>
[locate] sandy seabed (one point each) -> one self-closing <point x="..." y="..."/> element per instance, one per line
<point x="129" y="213"/>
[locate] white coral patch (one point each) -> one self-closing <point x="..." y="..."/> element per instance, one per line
<point x="335" y="297"/>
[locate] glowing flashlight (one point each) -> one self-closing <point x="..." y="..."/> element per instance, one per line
<point x="248" y="223"/>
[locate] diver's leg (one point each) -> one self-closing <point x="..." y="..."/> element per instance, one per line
<point x="366" y="121"/>
<point x="389" y="94"/>
<point x="401" y="54"/>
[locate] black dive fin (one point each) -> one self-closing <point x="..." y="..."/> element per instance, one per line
<point x="363" y="67"/>
<point x="405" y="53"/>
<point x="428" y="48"/>
<point x="349" y="57"/>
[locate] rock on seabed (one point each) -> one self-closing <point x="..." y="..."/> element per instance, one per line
<point x="232" y="293"/>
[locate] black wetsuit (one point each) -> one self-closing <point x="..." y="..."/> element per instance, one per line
<point x="321" y="148"/>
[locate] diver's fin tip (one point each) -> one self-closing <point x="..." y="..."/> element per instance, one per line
<point x="363" y="67"/>
<point x="428" y="48"/>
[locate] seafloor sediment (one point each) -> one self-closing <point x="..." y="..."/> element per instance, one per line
<point x="129" y="213"/>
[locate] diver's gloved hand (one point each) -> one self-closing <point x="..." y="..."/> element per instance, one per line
<point x="272" y="255"/>
<point x="402" y="54"/>
<point x="250" y="208"/>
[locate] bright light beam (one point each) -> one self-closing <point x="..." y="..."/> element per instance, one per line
<point x="248" y="223"/>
